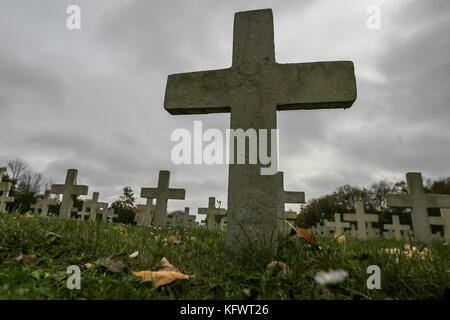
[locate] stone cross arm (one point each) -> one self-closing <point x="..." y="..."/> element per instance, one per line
<point x="406" y="200"/>
<point x="77" y="189"/>
<point x="293" y="197"/>
<point x="175" y="194"/>
<point x="318" y="85"/>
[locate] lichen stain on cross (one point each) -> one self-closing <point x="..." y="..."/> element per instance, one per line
<point x="252" y="90"/>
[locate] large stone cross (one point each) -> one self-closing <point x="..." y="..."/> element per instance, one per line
<point x="94" y="207"/>
<point x="338" y="225"/>
<point x="443" y="220"/>
<point x="252" y="91"/>
<point x="5" y="188"/>
<point x="68" y="190"/>
<point x="162" y="194"/>
<point x="361" y="218"/>
<point x="42" y="204"/>
<point x="419" y="202"/>
<point x="396" y="227"/>
<point x="211" y="213"/>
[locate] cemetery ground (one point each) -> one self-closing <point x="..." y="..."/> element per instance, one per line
<point x="201" y="253"/>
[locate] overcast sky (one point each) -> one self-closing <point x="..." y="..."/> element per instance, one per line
<point x="92" y="99"/>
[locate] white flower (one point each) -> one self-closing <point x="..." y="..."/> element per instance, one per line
<point x="134" y="255"/>
<point x="331" y="277"/>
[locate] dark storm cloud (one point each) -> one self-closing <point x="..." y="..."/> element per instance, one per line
<point x="93" y="99"/>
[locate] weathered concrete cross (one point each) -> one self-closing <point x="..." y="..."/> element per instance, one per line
<point x="162" y="194"/>
<point x="338" y="225"/>
<point x="419" y="202"/>
<point x="95" y="207"/>
<point x="213" y="214"/>
<point x="68" y="190"/>
<point x="5" y="188"/>
<point x="188" y="220"/>
<point x="252" y="91"/>
<point x="443" y="220"/>
<point x="396" y="227"/>
<point x="361" y="218"/>
<point x="108" y="215"/>
<point x="42" y="204"/>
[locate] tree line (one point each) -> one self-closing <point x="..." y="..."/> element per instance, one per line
<point x="343" y="199"/>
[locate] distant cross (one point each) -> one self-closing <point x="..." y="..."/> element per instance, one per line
<point x="396" y="227"/>
<point x="69" y="190"/>
<point x="372" y="232"/>
<point x="253" y="90"/>
<point x="5" y="188"/>
<point x="361" y="218"/>
<point x="213" y="214"/>
<point x="419" y="202"/>
<point x="109" y="215"/>
<point x="352" y="232"/>
<point x="338" y="225"/>
<point x="188" y="220"/>
<point x="162" y="194"/>
<point x="145" y="213"/>
<point x="443" y="220"/>
<point x="94" y="207"/>
<point x="42" y="204"/>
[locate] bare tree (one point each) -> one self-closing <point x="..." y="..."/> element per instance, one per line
<point x="30" y="182"/>
<point x="17" y="168"/>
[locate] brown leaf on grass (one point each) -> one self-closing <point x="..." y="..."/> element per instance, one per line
<point x="410" y="251"/>
<point x="172" y="240"/>
<point x="305" y="235"/>
<point x="340" y="238"/>
<point x="166" y="274"/>
<point x="165" y="265"/>
<point x="29" y="260"/>
<point x="28" y="215"/>
<point x="88" y="266"/>
<point x="160" y="278"/>
<point x="276" y="268"/>
<point x="250" y="293"/>
<point x="114" y="264"/>
<point x="53" y="237"/>
<point x="168" y="240"/>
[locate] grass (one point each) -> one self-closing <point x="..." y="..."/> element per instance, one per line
<point x="202" y="253"/>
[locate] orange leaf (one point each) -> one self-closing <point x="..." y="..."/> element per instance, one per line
<point x="160" y="278"/>
<point x="304" y="234"/>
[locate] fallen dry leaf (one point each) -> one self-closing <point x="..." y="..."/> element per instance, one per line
<point x="29" y="260"/>
<point x="166" y="274"/>
<point x="410" y="251"/>
<point x="165" y="265"/>
<point x="53" y="237"/>
<point x="340" y="238"/>
<point x="88" y="266"/>
<point x="172" y="240"/>
<point x="305" y="235"/>
<point x="277" y="268"/>
<point x="160" y="278"/>
<point x="114" y="264"/>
